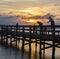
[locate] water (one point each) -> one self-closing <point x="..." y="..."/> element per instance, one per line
<point x="12" y="53"/>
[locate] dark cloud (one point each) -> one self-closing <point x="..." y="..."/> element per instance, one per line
<point x="40" y="17"/>
<point x="56" y="4"/>
<point x="8" y="19"/>
<point x="14" y="19"/>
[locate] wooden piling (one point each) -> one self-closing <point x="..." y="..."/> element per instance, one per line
<point x="23" y="39"/>
<point x="1" y="34"/>
<point x="53" y="42"/>
<point x="44" y="50"/>
<point x="41" y="32"/>
<point x="16" y="34"/>
<point x="6" y="35"/>
<point x="11" y="36"/>
<point x="35" y="43"/>
<point x="30" y="44"/>
<point x="36" y="49"/>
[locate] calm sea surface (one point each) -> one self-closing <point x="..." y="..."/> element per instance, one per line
<point x="11" y="53"/>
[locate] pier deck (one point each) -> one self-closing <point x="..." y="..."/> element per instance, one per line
<point x="31" y="34"/>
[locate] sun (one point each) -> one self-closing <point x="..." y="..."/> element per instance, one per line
<point x="32" y="21"/>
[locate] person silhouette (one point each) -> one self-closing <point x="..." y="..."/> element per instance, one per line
<point x="17" y="24"/>
<point x="51" y="20"/>
<point x="40" y="24"/>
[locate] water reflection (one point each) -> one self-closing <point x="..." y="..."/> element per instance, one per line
<point x="12" y="53"/>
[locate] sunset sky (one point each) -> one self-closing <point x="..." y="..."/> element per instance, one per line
<point x="28" y="9"/>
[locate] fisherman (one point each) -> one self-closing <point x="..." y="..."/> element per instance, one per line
<point x="34" y="29"/>
<point x="51" y="20"/>
<point x="40" y="24"/>
<point x="17" y="24"/>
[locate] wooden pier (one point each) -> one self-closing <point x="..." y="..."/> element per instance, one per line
<point x="32" y="34"/>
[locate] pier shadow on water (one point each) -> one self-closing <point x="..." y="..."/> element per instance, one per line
<point x="13" y="53"/>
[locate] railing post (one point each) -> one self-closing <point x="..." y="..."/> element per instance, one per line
<point x="23" y="39"/>
<point x="11" y="36"/>
<point x="35" y="32"/>
<point x="34" y="29"/>
<point x="43" y="42"/>
<point x="30" y="43"/>
<point x="2" y="33"/>
<point x="53" y="48"/>
<point x="16" y="34"/>
<point x="6" y="35"/>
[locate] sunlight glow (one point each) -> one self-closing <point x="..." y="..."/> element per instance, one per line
<point x="34" y="21"/>
<point x="28" y="10"/>
<point x="31" y="21"/>
<point x="33" y="11"/>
